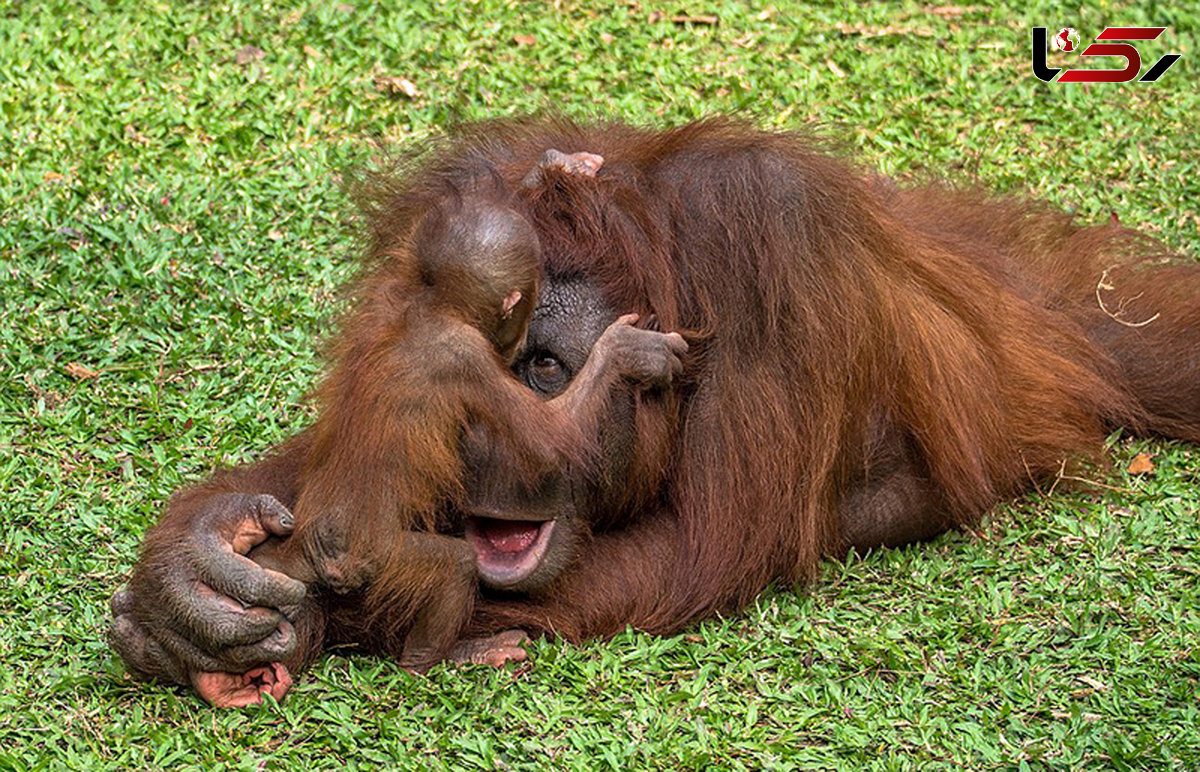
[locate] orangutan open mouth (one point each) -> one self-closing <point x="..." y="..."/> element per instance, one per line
<point x="508" y="551"/>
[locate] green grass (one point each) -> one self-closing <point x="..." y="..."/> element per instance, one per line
<point x="172" y="220"/>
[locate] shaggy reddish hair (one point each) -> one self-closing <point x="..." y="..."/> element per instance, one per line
<point x="825" y="301"/>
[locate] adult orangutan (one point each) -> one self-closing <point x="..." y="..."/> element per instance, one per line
<point x="871" y="365"/>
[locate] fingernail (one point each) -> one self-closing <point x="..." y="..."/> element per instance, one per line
<point x="119" y="603"/>
<point x="281" y="636"/>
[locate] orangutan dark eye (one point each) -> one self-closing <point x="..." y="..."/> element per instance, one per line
<point x="545" y="373"/>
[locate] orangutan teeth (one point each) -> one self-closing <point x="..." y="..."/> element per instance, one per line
<point x="510" y="535"/>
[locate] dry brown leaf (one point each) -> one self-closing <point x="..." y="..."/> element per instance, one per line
<point x="703" y="18"/>
<point x="525" y="40"/>
<point x="950" y="11"/>
<point x="311" y="52"/>
<point x="134" y="136"/>
<point x="395" y="85"/>
<point x="275" y="235"/>
<point x="1141" y="464"/>
<point x="863" y="30"/>
<point x="837" y="71"/>
<point x="248" y="54"/>
<point x="746" y="41"/>
<point x="80" y="373"/>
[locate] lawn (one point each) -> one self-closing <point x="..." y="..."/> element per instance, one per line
<point x="173" y="235"/>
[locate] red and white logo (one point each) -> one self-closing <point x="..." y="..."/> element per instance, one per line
<point x="1066" y="39"/>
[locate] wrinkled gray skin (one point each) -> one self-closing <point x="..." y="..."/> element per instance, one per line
<point x="569" y="318"/>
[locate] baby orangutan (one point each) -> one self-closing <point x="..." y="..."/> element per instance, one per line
<point x="424" y="359"/>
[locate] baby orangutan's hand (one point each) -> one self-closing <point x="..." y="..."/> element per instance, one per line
<point x="237" y="690"/>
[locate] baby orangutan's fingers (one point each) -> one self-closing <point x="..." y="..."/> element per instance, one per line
<point x="495" y="650"/>
<point x="237" y="690"/>
<point x="581" y="164"/>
